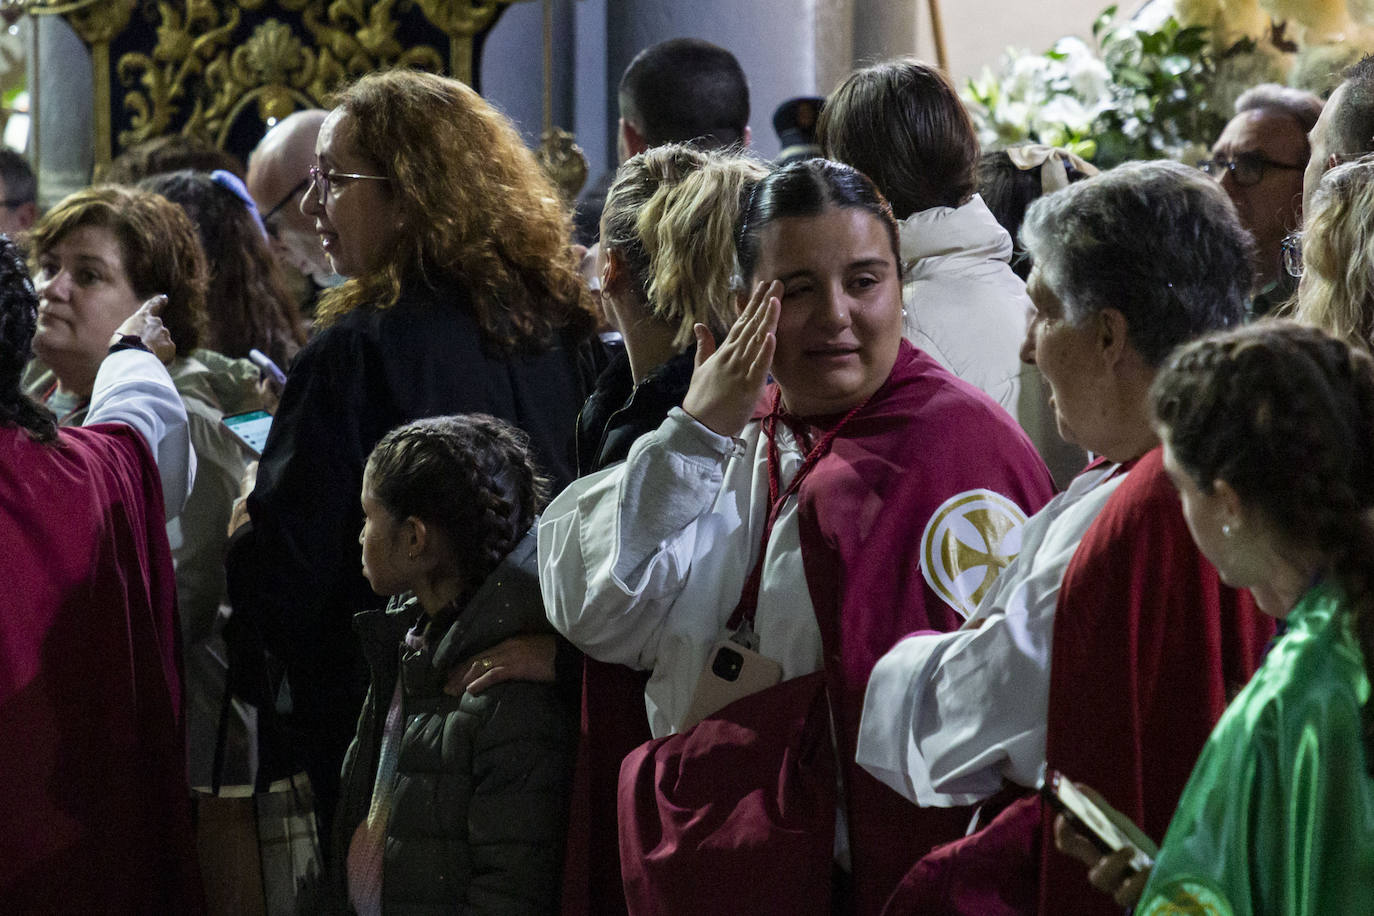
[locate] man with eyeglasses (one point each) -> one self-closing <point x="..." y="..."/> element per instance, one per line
<point x="278" y="174"/>
<point x="1259" y="160"/>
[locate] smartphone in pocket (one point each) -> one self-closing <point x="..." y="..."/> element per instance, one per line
<point x="1088" y="818"/>
<point x="732" y="671"/>
<point x="250" y="428"/>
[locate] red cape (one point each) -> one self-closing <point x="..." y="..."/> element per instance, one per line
<point x="923" y="440"/>
<point x="91" y="728"/>
<point x="1149" y="646"/>
<point x="926" y="438"/>
<point x="614" y="723"/>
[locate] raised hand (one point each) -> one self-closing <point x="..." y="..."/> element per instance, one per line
<point x="728" y="379"/>
<point x="148" y="327"/>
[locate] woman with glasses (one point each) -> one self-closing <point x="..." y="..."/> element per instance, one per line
<point x="1333" y="257"/>
<point x="462" y="297"/>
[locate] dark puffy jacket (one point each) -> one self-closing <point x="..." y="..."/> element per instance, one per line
<point x="480" y="806"/>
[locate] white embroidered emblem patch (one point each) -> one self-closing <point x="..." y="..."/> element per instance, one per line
<point x="969" y="539"/>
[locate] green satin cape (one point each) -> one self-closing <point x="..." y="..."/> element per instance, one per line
<point x="1278" y="815"/>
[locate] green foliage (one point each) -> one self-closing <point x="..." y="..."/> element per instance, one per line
<point x="1138" y="94"/>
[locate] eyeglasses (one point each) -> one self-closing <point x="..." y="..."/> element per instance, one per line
<point x="1292" y="254"/>
<point x="323" y="178"/>
<point x="1246" y="168"/>
<point x="292" y="195"/>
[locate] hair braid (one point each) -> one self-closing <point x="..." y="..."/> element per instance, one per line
<point x="1285" y="415"/>
<point x="471" y="476"/>
<point x="18" y="319"/>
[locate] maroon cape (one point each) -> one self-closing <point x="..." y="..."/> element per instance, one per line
<point x="925" y="438"/>
<point x="614" y="723"/>
<point x="97" y="815"/>
<point x="1149" y="646"/>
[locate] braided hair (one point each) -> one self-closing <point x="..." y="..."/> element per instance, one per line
<point x="472" y="476"/>
<point x="18" y="319"/>
<point x="1285" y="415"/>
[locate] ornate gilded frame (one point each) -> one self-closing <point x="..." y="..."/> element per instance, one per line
<point x="201" y="59"/>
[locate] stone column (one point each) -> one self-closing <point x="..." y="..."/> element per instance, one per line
<point x="65" y="152"/>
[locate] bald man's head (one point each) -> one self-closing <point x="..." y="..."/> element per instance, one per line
<point x="278" y="174"/>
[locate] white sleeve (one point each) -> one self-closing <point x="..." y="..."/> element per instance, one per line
<point x="947" y="716"/>
<point x="615" y="548"/>
<point x="132" y="387"/>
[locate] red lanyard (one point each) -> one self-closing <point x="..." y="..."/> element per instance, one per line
<point x="743" y="615"/>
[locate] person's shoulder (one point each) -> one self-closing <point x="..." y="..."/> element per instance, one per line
<point x="115" y="449"/>
<point x="933" y="396"/>
<point x="232" y="381"/>
<point x="1315" y="671"/>
<point x="1147" y="491"/>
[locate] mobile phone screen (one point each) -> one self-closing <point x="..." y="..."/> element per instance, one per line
<point x="1091" y="820"/>
<point x="250" y="428"/>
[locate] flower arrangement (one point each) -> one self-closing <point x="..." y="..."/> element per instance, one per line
<point x="1164" y="82"/>
<point x="1142" y="93"/>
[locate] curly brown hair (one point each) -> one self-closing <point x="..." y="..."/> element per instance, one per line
<point x="474" y="207"/>
<point x="157" y="242"/>
<point x="472" y="476"/>
<point x="1284" y="414"/>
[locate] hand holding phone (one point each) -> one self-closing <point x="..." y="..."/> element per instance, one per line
<point x="1096" y="821"/>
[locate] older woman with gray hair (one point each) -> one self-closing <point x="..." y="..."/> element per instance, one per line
<point x="1109" y="614"/>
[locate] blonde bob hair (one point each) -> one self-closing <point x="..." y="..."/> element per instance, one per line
<point x="671" y="214"/>
<point x="474" y="208"/>
<point x="1336" y="292"/>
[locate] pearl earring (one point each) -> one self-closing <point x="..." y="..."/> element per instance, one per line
<point x="1226" y="529"/>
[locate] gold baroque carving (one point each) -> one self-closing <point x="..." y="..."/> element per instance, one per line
<point x="563" y="161"/>
<point x="195" y="64"/>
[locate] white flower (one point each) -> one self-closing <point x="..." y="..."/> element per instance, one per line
<point x="1067" y="111"/>
<point x="1013" y="114"/>
<point x="1092" y="83"/>
<point x="1026" y="75"/>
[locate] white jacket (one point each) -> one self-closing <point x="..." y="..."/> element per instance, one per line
<point x="968" y="309"/>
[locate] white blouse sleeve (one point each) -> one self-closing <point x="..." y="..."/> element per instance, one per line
<point x="948" y="716"/>
<point x="615" y="548"/>
<point x="133" y="388"/>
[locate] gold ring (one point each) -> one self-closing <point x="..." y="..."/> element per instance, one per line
<point x="487" y="664"/>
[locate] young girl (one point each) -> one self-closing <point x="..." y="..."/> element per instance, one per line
<point x="450" y="800"/>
